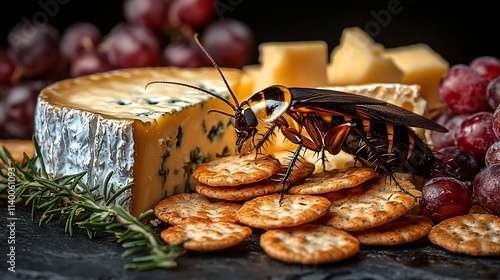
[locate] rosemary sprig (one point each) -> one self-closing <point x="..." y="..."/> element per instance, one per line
<point x="75" y="204"/>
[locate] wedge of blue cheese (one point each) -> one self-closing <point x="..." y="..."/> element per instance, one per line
<point x="153" y="137"/>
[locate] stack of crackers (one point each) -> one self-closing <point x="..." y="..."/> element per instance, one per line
<point x="323" y="218"/>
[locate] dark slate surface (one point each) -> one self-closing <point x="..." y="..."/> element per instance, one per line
<point x="48" y="253"/>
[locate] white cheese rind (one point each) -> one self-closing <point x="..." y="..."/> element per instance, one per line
<point x="74" y="141"/>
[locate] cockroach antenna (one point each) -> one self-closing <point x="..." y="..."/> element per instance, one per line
<point x="197" y="41"/>
<point x="233" y="96"/>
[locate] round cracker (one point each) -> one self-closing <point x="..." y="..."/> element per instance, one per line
<point x="248" y="191"/>
<point x="186" y="208"/>
<point x="267" y="211"/>
<point x="206" y="236"/>
<point x="309" y="244"/>
<point x="334" y="180"/>
<point x="240" y="193"/>
<point x="236" y="170"/>
<point x="405" y="229"/>
<point x="471" y="234"/>
<point x="369" y="205"/>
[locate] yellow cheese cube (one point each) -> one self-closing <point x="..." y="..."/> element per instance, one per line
<point x="423" y="66"/>
<point x="359" y="60"/>
<point x="299" y="64"/>
<point x="249" y="78"/>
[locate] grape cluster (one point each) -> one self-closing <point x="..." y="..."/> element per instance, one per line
<point x="471" y="149"/>
<point x="155" y="33"/>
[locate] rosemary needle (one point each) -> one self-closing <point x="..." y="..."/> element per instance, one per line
<point x="75" y="204"/>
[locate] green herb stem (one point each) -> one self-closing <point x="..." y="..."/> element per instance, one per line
<point x="74" y="203"/>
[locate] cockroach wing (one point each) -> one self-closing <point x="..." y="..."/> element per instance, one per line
<point x="357" y="106"/>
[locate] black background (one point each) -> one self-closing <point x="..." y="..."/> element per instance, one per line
<point x="459" y="31"/>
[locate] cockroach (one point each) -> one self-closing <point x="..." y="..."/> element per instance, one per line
<point x="375" y="132"/>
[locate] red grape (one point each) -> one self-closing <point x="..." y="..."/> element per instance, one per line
<point x="79" y="38"/>
<point x="444" y="198"/>
<point x="487" y="66"/>
<point x="463" y="90"/>
<point x="194" y="13"/>
<point x="150" y="13"/>
<point x="132" y="46"/>
<point x="475" y="135"/>
<point x="229" y="42"/>
<point x="7" y="69"/>
<point x="493" y="154"/>
<point x="493" y="93"/>
<point x="496" y="122"/>
<point x="34" y="47"/>
<point x="89" y="63"/>
<point x="19" y="108"/>
<point x="487" y="188"/>
<point x="451" y="122"/>
<point x="181" y="55"/>
<point x="120" y="27"/>
<point x="458" y="162"/>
